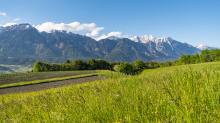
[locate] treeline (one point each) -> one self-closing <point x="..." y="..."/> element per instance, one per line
<point x="74" y="65"/>
<point x="128" y="68"/>
<point x="205" y="56"/>
<point x="92" y="64"/>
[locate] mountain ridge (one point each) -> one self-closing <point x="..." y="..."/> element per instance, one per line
<point x="205" y="46"/>
<point x="24" y="40"/>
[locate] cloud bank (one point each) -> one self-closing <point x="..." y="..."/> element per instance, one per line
<point x="1" y="13"/>
<point x="8" y="24"/>
<point x="74" y="26"/>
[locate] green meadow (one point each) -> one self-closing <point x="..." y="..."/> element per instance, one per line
<point x="186" y="93"/>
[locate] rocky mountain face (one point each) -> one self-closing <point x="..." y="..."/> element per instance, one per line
<point x="166" y="46"/>
<point x="23" y="41"/>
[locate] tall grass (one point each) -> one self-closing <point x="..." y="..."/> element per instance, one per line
<point x="183" y="94"/>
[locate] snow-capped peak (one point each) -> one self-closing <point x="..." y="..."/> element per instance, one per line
<point x="114" y="38"/>
<point x="148" y="38"/>
<point x="142" y="39"/>
<point x="166" y="38"/>
<point x="204" y="46"/>
<point x="18" y="27"/>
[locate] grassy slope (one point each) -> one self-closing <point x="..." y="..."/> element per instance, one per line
<point x="173" y="94"/>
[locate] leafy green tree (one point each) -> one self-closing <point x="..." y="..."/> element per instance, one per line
<point x="183" y="59"/>
<point x="192" y="59"/>
<point x="118" y="63"/>
<point x="46" y="66"/>
<point x="93" y="64"/>
<point x="139" y="64"/>
<point x="214" y="54"/>
<point x="167" y="64"/>
<point x="175" y="63"/>
<point x="67" y="61"/>
<point x="197" y="58"/>
<point x="205" y="56"/>
<point x="82" y="65"/>
<point x="64" y="67"/>
<point x="56" y="67"/>
<point x="125" y="68"/>
<point x="37" y="67"/>
<point x="187" y="59"/>
<point x="153" y="64"/>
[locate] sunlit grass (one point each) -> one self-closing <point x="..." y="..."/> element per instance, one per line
<point x="174" y="94"/>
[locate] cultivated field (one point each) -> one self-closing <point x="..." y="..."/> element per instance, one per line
<point x="26" y="77"/>
<point x="48" y="85"/>
<point x="173" y="94"/>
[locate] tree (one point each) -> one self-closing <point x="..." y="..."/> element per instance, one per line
<point x="46" y="66"/>
<point x="64" y="67"/>
<point x="175" y="63"/>
<point x="139" y="64"/>
<point x="192" y="59"/>
<point x="187" y="59"/>
<point x="205" y="56"/>
<point x="167" y="64"/>
<point x="183" y="59"/>
<point x="214" y="54"/>
<point x="125" y="68"/>
<point x="197" y="58"/>
<point x="37" y="67"/>
<point x="92" y="63"/>
<point x="152" y="64"/>
<point x="67" y="61"/>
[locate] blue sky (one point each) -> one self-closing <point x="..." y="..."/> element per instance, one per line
<point x="192" y="21"/>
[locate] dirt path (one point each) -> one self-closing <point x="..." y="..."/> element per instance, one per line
<point x="44" y="86"/>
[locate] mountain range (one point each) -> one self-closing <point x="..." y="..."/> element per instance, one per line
<point x="23" y="43"/>
<point x="204" y="46"/>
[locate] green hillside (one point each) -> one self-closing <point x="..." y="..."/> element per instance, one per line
<point x="185" y="93"/>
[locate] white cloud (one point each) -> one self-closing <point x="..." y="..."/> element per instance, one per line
<point x="1" y="13"/>
<point x="116" y="34"/>
<point x="16" y="19"/>
<point x="8" y="24"/>
<point x="74" y="26"/>
<point x="94" y="32"/>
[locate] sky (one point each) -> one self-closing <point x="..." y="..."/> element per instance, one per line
<point x="192" y="21"/>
